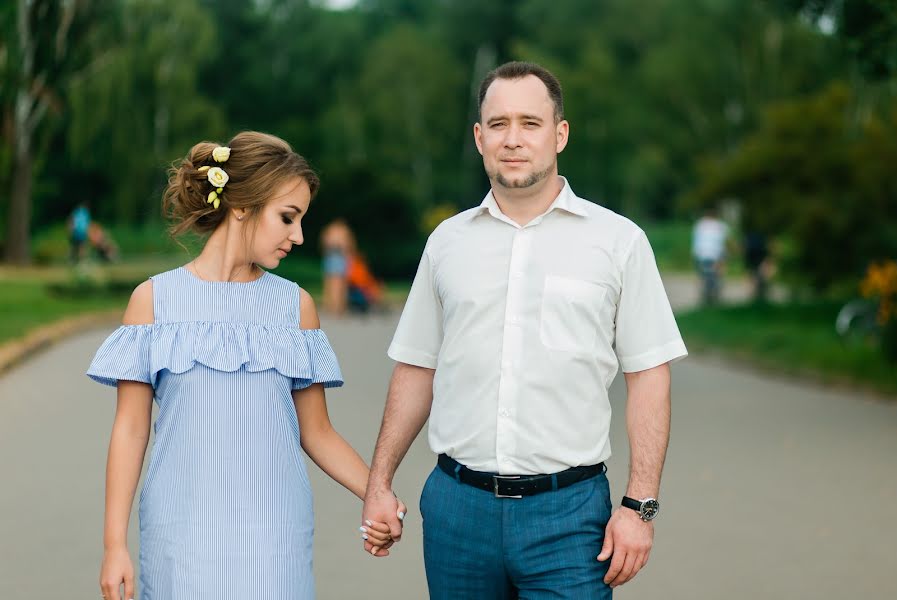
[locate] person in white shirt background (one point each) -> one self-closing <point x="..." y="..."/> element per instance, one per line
<point x="521" y="311"/>
<point x="708" y="247"/>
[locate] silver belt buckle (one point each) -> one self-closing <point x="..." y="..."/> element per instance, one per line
<point x="495" y="479"/>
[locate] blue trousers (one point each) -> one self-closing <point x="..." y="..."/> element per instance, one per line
<point x="477" y="546"/>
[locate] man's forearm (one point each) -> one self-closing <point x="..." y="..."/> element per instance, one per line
<point x="407" y="408"/>
<point x="648" y="423"/>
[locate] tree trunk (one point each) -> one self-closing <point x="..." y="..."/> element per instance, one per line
<point x="18" y="226"/>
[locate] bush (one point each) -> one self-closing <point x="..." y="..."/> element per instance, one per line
<point x="51" y="246"/>
<point x="90" y="281"/>
<point x="821" y="176"/>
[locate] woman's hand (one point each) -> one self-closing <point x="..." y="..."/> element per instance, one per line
<point x="377" y="535"/>
<point x="117" y="569"/>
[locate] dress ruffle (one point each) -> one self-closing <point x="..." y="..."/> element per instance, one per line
<point x="141" y="352"/>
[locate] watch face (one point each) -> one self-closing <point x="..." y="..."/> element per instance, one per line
<point x="650" y="508"/>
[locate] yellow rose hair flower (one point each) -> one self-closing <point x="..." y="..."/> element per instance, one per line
<point x="217" y="177"/>
<point x="221" y="154"/>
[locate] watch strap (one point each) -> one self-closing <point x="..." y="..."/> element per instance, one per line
<point x="632" y="503"/>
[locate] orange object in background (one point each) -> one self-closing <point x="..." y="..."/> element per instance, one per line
<point x="359" y="276"/>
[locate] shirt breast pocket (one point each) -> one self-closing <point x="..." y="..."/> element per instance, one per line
<point x="570" y="314"/>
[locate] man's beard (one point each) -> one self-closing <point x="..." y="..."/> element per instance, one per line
<point x="528" y="181"/>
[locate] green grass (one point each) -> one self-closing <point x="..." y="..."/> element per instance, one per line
<point x="28" y="304"/>
<point x="793" y="338"/>
<point x="40" y="295"/>
<point x="54" y="289"/>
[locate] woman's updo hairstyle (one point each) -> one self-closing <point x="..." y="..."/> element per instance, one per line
<point x="258" y="164"/>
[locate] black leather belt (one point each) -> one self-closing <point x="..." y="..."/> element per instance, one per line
<point x="516" y="486"/>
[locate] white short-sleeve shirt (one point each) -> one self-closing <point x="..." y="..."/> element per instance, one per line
<point x="525" y="327"/>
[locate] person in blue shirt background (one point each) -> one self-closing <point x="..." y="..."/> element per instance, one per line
<point x="79" y="224"/>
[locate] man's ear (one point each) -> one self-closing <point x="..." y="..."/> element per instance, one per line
<point x="478" y="137"/>
<point x="563" y="135"/>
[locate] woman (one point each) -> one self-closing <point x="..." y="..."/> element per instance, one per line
<point x="235" y="360"/>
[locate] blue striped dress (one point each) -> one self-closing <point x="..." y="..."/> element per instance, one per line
<point x="226" y="506"/>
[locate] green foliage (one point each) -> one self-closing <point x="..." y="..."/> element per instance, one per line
<point x="889" y="340"/>
<point x="381" y="98"/>
<point x="51" y="245"/>
<point x="867" y="29"/>
<point x="671" y="243"/>
<point x="140" y="108"/>
<point x="819" y="174"/>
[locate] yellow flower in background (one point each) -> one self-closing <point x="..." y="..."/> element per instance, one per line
<point x="881" y="283"/>
<point x="880" y="280"/>
<point x="203" y="169"/>
<point x="221" y="154"/>
<point x="217" y="177"/>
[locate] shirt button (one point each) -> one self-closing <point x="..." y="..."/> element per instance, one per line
<point x="505" y="412"/>
<point x="517" y="275"/>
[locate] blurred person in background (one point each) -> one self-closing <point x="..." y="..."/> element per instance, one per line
<point x="349" y="283"/>
<point x="521" y="313"/>
<point x="105" y="246"/>
<point x="758" y="262"/>
<point x="708" y="248"/>
<point x="337" y="243"/>
<point x="79" y="227"/>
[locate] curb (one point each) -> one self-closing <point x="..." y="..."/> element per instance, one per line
<point x="16" y="351"/>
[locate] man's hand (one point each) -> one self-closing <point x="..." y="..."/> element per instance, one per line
<point x="382" y="506"/>
<point x="628" y="539"/>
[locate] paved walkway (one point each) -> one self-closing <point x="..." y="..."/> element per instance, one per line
<point x="773" y="489"/>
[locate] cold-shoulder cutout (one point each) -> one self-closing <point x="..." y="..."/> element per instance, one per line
<point x="308" y="314"/>
<point x="140" y="306"/>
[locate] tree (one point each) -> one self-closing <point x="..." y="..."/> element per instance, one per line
<point x="140" y="108"/>
<point x="645" y="100"/>
<point x="40" y="58"/>
<point x="867" y="28"/>
<point x="811" y="175"/>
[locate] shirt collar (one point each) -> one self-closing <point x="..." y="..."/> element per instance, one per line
<point x="566" y="200"/>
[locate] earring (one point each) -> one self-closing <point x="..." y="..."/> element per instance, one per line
<point x="239" y="218"/>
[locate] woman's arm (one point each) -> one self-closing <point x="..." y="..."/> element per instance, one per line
<point x="321" y="442"/>
<point x="127" y="447"/>
<point x="324" y="445"/>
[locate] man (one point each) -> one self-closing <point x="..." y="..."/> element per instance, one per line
<point x="519" y="313"/>
<point x="708" y="247"/>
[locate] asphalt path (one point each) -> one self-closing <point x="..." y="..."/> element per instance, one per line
<point x="773" y="488"/>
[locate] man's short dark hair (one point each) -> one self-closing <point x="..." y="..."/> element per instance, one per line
<point x="519" y="70"/>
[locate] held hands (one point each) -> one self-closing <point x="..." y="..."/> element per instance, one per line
<point x="117" y="570"/>
<point x="628" y="539"/>
<point x="381" y="517"/>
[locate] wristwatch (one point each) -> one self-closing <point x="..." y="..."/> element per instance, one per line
<point x="646" y="508"/>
